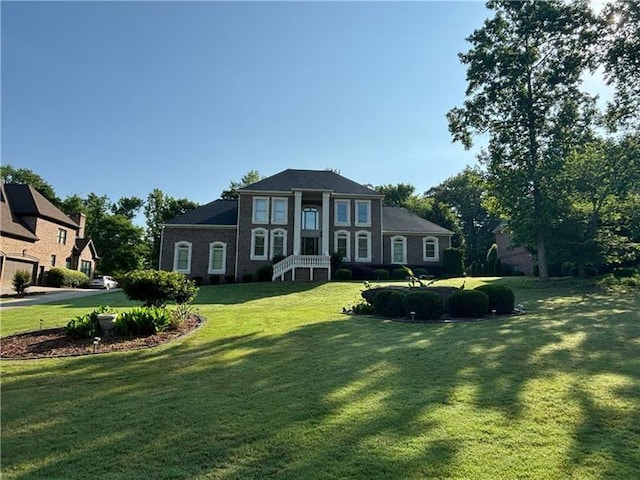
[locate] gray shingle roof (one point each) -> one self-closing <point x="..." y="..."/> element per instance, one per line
<point x="291" y="179"/>
<point x="26" y="201"/>
<point x="398" y="219"/>
<point x="10" y="224"/>
<point x="218" y="212"/>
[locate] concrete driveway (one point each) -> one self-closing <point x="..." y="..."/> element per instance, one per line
<point x="42" y="295"/>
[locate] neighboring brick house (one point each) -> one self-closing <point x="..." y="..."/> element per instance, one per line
<point x="303" y="216"/>
<point x="517" y="257"/>
<point x="36" y="236"/>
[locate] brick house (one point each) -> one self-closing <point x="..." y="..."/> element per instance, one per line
<point x="515" y="256"/>
<point x="36" y="236"/>
<point x="301" y="217"/>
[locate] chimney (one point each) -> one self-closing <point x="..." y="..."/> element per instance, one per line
<point x="81" y="220"/>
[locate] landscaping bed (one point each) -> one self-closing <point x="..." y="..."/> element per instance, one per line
<point x="53" y="342"/>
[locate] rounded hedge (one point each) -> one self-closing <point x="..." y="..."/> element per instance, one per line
<point x="399" y="274"/>
<point x="381" y="274"/>
<point x="468" y="303"/>
<point x="157" y="287"/>
<point x="389" y="303"/>
<point x="343" y="274"/>
<point x="265" y="273"/>
<point x="64" y="277"/>
<point x="425" y="305"/>
<point x="501" y="298"/>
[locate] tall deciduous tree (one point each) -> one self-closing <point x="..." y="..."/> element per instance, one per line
<point x="465" y="192"/>
<point x="252" y="176"/>
<point x="159" y="208"/>
<point x="621" y="58"/>
<point x="25" y="176"/>
<point x="523" y="77"/>
<point x="396" y="195"/>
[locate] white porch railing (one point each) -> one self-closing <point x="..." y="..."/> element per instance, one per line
<point x="292" y="262"/>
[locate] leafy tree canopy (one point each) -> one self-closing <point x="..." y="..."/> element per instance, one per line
<point x="25" y="176"/>
<point x="252" y="176"/>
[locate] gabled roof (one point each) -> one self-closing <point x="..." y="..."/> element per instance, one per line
<point x="291" y="179"/>
<point x="218" y="212"/>
<point x="10" y="224"/>
<point x="81" y="244"/>
<point x="401" y="220"/>
<point x="26" y="201"/>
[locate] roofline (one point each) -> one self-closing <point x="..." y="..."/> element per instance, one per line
<point x="196" y="226"/>
<point x="311" y="190"/>
<point x="402" y="232"/>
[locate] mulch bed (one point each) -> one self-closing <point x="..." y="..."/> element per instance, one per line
<point x="53" y="342"/>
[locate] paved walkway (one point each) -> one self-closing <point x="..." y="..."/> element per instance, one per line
<point x="47" y="295"/>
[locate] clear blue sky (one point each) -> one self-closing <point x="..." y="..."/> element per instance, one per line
<point x="119" y="98"/>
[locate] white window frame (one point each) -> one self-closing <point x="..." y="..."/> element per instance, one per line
<point x="436" y="249"/>
<point x="62" y="236"/>
<point x="358" y="223"/>
<point x="176" y="249"/>
<point x="344" y="233"/>
<point x="255" y="211"/>
<point x="403" y="242"/>
<point x="357" y="249"/>
<point x="336" y="220"/>
<point x="254" y="234"/>
<point x="274" y="202"/>
<point x="223" y="269"/>
<point x="273" y="243"/>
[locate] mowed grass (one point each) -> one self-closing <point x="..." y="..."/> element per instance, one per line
<point x="280" y="384"/>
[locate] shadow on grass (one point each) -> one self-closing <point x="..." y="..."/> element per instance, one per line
<point x="357" y="398"/>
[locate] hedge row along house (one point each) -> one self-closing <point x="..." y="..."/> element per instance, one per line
<point x="37" y="236"/>
<point x="296" y="220"/>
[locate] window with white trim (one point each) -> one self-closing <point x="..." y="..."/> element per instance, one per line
<point x="279" y="211"/>
<point x="260" y="210"/>
<point x="258" y="244"/>
<point x="182" y="257"/>
<point x="342" y="244"/>
<point x="310" y="218"/>
<point x="399" y="250"/>
<point x="363" y="213"/>
<point x="278" y="243"/>
<point x="217" y="257"/>
<point x="62" y="236"/>
<point x="430" y="249"/>
<point x="363" y="246"/>
<point x="342" y="213"/>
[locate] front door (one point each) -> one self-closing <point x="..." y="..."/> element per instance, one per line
<point x="310" y="246"/>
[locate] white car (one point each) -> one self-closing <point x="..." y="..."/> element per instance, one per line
<point x="103" y="281"/>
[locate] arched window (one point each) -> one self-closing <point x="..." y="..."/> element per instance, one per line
<point x="278" y="243"/>
<point x="399" y="250"/>
<point x="342" y="244"/>
<point x="363" y="246"/>
<point x="217" y="257"/>
<point x="258" y="244"/>
<point x="182" y="257"/>
<point x="430" y="249"/>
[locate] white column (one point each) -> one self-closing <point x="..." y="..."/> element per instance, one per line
<point x="297" y="218"/>
<point x="325" y="223"/>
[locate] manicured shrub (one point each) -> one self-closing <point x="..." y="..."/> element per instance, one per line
<point x="277" y="258"/>
<point x="20" y="281"/>
<point x="64" y="277"/>
<point x="229" y="279"/>
<point x="197" y="280"/>
<point x="265" y="273"/>
<point x="363" y="308"/>
<point x="468" y="303"/>
<point x="426" y="305"/>
<point x="157" y="287"/>
<point x="214" y="279"/>
<point x="501" y="298"/>
<point x="381" y="274"/>
<point x="452" y="262"/>
<point x="358" y="271"/>
<point x="492" y="259"/>
<point x="399" y="274"/>
<point x="85" y="326"/>
<point x="247" y="278"/>
<point x="389" y="302"/>
<point x="343" y="274"/>
<point x="421" y="272"/>
<point x="143" y="321"/>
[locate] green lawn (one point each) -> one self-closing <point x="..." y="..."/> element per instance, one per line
<point x="280" y="384"/>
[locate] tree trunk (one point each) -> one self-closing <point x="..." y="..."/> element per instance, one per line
<point x="542" y="258"/>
